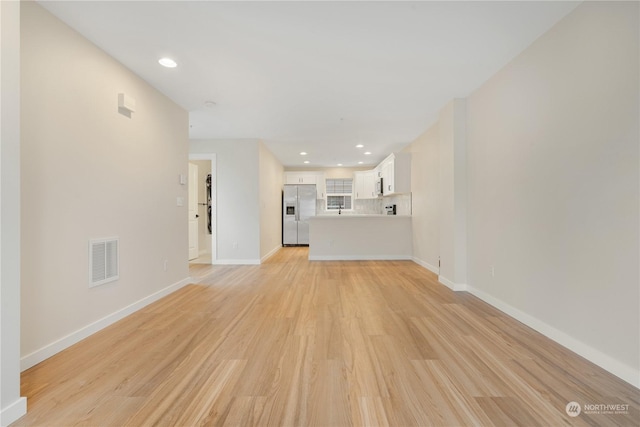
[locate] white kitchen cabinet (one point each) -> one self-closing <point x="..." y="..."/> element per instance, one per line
<point x="358" y="185"/>
<point x="307" y="177"/>
<point x="300" y="177"/>
<point x="386" y="172"/>
<point x="395" y="171"/>
<point x="365" y="184"/>
<point x="321" y="185"/>
<point x="370" y="178"/>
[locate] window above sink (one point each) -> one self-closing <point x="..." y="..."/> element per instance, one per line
<point x="339" y="194"/>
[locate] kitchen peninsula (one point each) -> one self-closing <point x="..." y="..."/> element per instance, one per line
<point x="360" y="237"/>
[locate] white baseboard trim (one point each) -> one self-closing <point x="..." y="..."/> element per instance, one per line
<point x="49" y="350"/>
<point x="360" y="258"/>
<point x="431" y="268"/>
<point x="236" y="262"/>
<point x="271" y="253"/>
<point x="622" y="371"/>
<point x="13" y="411"/>
<point x="451" y="285"/>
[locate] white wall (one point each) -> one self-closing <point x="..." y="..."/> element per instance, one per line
<point x="552" y="174"/>
<point x="553" y="185"/>
<point x="89" y="172"/>
<point x="453" y="194"/>
<point x="12" y="406"/>
<point x="238" y="200"/>
<point x="425" y="195"/>
<point x="270" y="188"/>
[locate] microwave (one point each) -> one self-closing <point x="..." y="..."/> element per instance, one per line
<point x="379" y="187"/>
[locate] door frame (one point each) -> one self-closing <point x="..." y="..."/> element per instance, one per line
<point x="214" y="201"/>
<point x="194" y="185"/>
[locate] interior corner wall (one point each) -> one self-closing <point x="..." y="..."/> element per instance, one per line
<point x="425" y="198"/>
<point x="12" y="406"/>
<point x="452" y="180"/>
<point x="271" y="180"/>
<point x="554" y="186"/>
<point x="238" y="200"/>
<point x="90" y="172"/>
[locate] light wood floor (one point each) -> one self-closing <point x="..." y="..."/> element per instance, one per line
<point x="294" y="343"/>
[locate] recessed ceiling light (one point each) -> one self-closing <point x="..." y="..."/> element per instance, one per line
<point x="359" y="146"/>
<point x="307" y="161"/>
<point x="209" y="104"/>
<point x="303" y="153"/>
<point x="339" y="164"/>
<point x="367" y="152"/>
<point x="360" y="163"/>
<point x="168" y="62"/>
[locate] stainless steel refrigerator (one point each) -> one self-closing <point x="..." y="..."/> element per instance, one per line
<point x="298" y="205"/>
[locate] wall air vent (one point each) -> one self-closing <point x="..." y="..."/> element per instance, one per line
<point x="103" y="261"/>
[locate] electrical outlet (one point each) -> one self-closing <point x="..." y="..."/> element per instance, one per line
<point x="493" y="271"/>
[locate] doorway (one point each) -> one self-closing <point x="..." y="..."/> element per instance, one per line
<point x="202" y="209"/>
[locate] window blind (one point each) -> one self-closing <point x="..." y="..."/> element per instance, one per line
<point x="339" y="186"/>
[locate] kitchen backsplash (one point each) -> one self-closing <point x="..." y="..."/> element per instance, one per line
<point x="402" y="202"/>
<point x="373" y="206"/>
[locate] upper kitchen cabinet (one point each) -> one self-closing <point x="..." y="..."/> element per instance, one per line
<point x="365" y="184"/>
<point x="395" y="171"/>
<point x="300" y="177"/>
<point x="321" y="185"/>
<point x="307" y="177"/>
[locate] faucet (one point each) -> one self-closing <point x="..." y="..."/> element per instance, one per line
<point x="340" y="210"/>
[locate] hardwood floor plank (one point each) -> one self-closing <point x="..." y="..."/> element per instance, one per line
<point x="299" y="343"/>
<point x="366" y="378"/>
<point x="209" y="403"/>
<point x="263" y="357"/>
<point x="245" y="411"/>
<point x="406" y="392"/>
<point x="329" y="403"/>
<point x="372" y="412"/>
<point x="450" y="406"/>
<point x="506" y="411"/>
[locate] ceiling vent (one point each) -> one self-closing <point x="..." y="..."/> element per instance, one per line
<point x="103" y="261"/>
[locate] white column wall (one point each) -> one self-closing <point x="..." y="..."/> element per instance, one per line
<point x="270" y="188"/>
<point x="425" y="190"/>
<point x="12" y="406"/>
<point x="453" y="194"/>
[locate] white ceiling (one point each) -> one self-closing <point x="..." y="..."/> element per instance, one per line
<point x="318" y="77"/>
